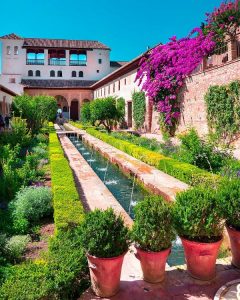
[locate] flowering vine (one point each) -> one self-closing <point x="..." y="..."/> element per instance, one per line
<point x="163" y="70"/>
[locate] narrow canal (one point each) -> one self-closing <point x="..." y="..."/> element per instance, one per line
<point x="124" y="189"/>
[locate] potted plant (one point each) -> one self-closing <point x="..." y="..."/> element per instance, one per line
<point x="153" y="234"/>
<point x="198" y="222"/>
<point x="105" y="239"/>
<point x="229" y="200"/>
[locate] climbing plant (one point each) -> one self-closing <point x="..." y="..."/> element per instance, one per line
<point x="223" y="110"/>
<point x="139" y="108"/>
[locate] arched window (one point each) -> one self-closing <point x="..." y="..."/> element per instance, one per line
<point x="59" y="73"/>
<point x="15" y="50"/>
<point x="30" y="73"/>
<point x="80" y="74"/>
<point x="74" y="74"/>
<point x="52" y="73"/>
<point x="8" y="50"/>
<point x="38" y="73"/>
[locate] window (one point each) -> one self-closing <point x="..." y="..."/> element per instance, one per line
<point x="109" y="89"/>
<point x="114" y="88"/>
<point x="80" y="74"/>
<point x="52" y="73"/>
<point x="119" y="85"/>
<point x="125" y="81"/>
<point x="15" y="50"/>
<point x="104" y="91"/>
<point x="74" y="74"/>
<point x="38" y="73"/>
<point x="99" y="61"/>
<point x="59" y="73"/>
<point x="8" y="50"/>
<point x="97" y="71"/>
<point x="78" y="58"/>
<point x="30" y="73"/>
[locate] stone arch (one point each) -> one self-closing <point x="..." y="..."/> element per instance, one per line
<point x="74" y="109"/>
<point x="63" y="104"/>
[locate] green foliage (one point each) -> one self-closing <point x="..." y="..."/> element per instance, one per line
<point x="180" y="170"/>
<point x="139" y="108"/>
<point x="197" y="215"/>
<point x="103" y="234"/>
<point x="104" y="111"/>
<point x="203" y="154"/>
<point x="153" y="226"/>
<point x="120" y="105"/>
<point x="229" y="201"/>
<point x="29" y="206"/>
<point x="67" y="266"/>
<point x="16" y="172"/>
<point x="19" y="134"/>
<point x="223" y="110"/>
<point x="86" y="113"/>
<point x="68" y="210"/>
<point x="15" y="246"/>
<point x="36" y="110"/>
<point x="27" y="281"/>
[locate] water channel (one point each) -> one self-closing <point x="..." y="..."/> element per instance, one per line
<point x="124" y="188"/>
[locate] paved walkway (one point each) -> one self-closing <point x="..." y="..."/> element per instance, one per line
<point x="152" y="178"/>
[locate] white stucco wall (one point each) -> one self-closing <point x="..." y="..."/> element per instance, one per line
<point x="14" y="66"/>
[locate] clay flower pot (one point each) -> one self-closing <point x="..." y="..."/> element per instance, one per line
<point x="234" y="236"/>
<point x="153" y="264"/>
<point x="201" y="258"/>
<point x="105" y="274"/>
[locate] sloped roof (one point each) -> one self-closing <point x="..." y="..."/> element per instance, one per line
<point x="56" y="83"/>
<point x="11" y="36"/>
<point x="57" y="43"/>
<point x="117" y="64"/>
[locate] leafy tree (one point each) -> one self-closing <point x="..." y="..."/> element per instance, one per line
<point x="104" y="111"/>
<point x="86" y="113"/>
<point x="36" y="110"/>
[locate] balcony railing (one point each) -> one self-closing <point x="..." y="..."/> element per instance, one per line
<point x="56" y="62"/>
<point x="35" y="61"/>
<point x="77" y="63"/>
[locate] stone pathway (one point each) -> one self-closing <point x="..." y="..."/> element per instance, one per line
<point x="152" y="178"/>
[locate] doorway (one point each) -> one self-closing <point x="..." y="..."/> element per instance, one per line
<point x="74" y="110"/>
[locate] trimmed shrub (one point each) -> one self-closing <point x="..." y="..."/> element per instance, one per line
<point x="15" y="246"/>
<point x="68" y="210"/>
<point x="153" y="225"/>
<point x="29" y="206"/>
<point x="229" y="201"/>
<point x="197" y="215"/>
<point x="103" y="234"/>
<point x="182" y="171"/>
<point x="139" y="108"/>
<point x="85" y="113"/>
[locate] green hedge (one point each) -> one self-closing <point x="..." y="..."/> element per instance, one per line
<point x="182" y="171"/>
<point x="68" y="209"/>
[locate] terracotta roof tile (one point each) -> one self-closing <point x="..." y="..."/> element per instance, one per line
<point x="70" y="44"/>
<point x="11" y="36"/>
<point x="57" y="83"/>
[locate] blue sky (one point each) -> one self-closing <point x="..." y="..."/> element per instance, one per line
<point x="126" y="26"/>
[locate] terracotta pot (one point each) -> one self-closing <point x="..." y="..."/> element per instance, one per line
<point x="201" y="258"/>
<point x="153" y="264"/>
<point x="105" y="274"/>
<point x="234" y="236"/>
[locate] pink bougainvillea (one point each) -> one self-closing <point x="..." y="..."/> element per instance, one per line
<point x="163" y="70"/>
